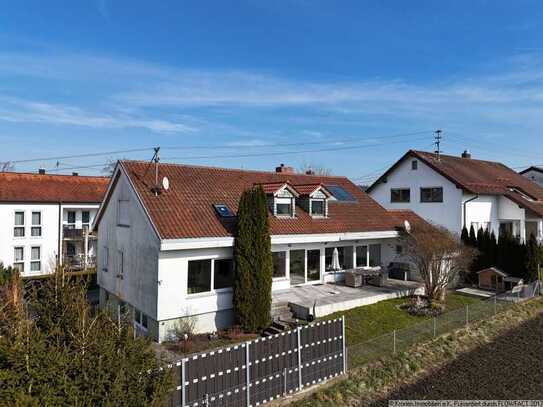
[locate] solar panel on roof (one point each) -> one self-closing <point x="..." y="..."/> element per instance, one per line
<point x="223" y="210"/>
<point x="340" y="193"/>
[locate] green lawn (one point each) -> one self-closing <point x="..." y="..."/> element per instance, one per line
<point x="374" y="320"/>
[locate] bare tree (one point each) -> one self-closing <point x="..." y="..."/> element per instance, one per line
<point x="7" y="166"/>
<point x="316" y="169"/>
<point x="109" y="167"/>
<point x="439" y="255"/>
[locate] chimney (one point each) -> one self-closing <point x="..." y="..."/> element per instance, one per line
<point x="75" y="174"/>
<point x="310" y="172"/>
<point x="282" y="169"/>
<point x="41" y="171"/>
<point x="466" y="154"/>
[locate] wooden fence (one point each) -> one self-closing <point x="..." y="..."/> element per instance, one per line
<point x="261" y="370"/>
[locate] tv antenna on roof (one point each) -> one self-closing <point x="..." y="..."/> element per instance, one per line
<point x="156" y="160"/>
<point x="438" y="137"/>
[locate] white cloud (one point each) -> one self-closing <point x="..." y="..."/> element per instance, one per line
<point x="141" y="94"/>
<point x="23" y="111"/>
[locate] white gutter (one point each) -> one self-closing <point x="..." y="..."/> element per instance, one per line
<point x="212" y="242"/>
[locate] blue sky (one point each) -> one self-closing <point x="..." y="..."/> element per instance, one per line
<point x="345" y="85"/>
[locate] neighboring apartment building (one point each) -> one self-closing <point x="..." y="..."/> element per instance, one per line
<point x="168" y="255"/>
<point x="460" y="191"/>
<point x="43" y="215"/>
<point x="535" y="174"/>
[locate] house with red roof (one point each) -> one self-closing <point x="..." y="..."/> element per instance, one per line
<point x="46" y="220"/>
<point x="166" y="234"/>
<point x="462" y="191"/>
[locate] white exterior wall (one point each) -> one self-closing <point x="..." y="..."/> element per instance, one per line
<point x="140" y="247"/>
<point x="481" y="209"/>
<point x="49" y="234"/>
<point x="213" y="310"/>
<point x="447" y="214"/>
<point x="535" y="176"/>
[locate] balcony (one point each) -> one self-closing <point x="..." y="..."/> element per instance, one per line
<point x="69" y="232"/>
<point x="78" y="262"/>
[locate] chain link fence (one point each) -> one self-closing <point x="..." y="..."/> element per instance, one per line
<point x="401" y="339"/>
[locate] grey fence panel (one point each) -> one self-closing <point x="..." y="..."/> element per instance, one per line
<point x="322" y="351"/>
<point x="224" y="377"/>
<point x="215" y="373"/>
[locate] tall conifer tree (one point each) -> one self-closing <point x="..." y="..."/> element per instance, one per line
<point x="253" y="262"/>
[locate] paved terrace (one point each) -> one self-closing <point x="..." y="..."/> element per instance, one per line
<point x="324" y="299"/>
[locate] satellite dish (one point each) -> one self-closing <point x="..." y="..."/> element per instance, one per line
<point x="165" y="183"/>
<point x="407" y="226"/>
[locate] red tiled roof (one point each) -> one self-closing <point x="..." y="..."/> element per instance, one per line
<point x="26" y="187"/>
<point x="186" y="210"/>
<point x="479" y="177"/>
<point x="273" y="187"/>
<point x="308" y="189"/>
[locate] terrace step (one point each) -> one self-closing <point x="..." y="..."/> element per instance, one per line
<point x="270" y="331"/>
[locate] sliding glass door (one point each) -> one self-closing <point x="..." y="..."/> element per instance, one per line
<point x="313" y="265"/>
<point x="305" y="266"/>
<point x="297" y="267"/>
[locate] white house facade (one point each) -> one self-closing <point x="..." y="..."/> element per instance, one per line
<point x="167" y="254"/>
<point x="44" y="215"/>
<point x="454" y="192"/>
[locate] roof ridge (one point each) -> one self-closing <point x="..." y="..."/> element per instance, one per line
<point x="236" y="169"/>
<point x="52" y="175"/>
<point x="460" y="158"/>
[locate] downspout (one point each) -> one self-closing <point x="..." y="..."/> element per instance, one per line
<point x="465" y="207"/>
<point x="59" y="257"/>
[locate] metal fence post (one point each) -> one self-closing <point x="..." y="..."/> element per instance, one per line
<point x="183" y="380"/>
<point x="344" y="344"/>
<point x="394" y="341"/>
<point x="435" y="327"/>
<point x="298" y="332"/>
<point x="495" y="305"/>
<point x="467" y="314"/>
<point x="248" y="372"/>
<point x="285" y="381"/>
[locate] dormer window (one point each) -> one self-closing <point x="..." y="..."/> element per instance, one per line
<point x="283" y="207"/>
<point x="281" y="198"/>
<point x="314" y="199"/>
<point x="317" y="207"/>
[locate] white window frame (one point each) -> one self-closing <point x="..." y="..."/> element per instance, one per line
<point x="86" y="223"/>
<point x="414" y="165"/>
<point x="70" y="225"/>
<point x="368" y="259"/>
<point x="283" y="201"/>
<point x="287" y="256"/>
<point x="15" y="226"/>
<point x="22" y="261"/>
<point x="323" y="200"/>
<point x="36" y="226"/>
<point x="212" y="290"/>
<point x="38" y="260"/>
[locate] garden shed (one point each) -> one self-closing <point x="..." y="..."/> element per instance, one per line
<point x="495" y="279"/>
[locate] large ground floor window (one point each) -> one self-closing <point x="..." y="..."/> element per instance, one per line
<point x="279" y="260"/>
<point x="199" y="276"/>
<point x="204" y="274"/>
<point x="368" y="255"/>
